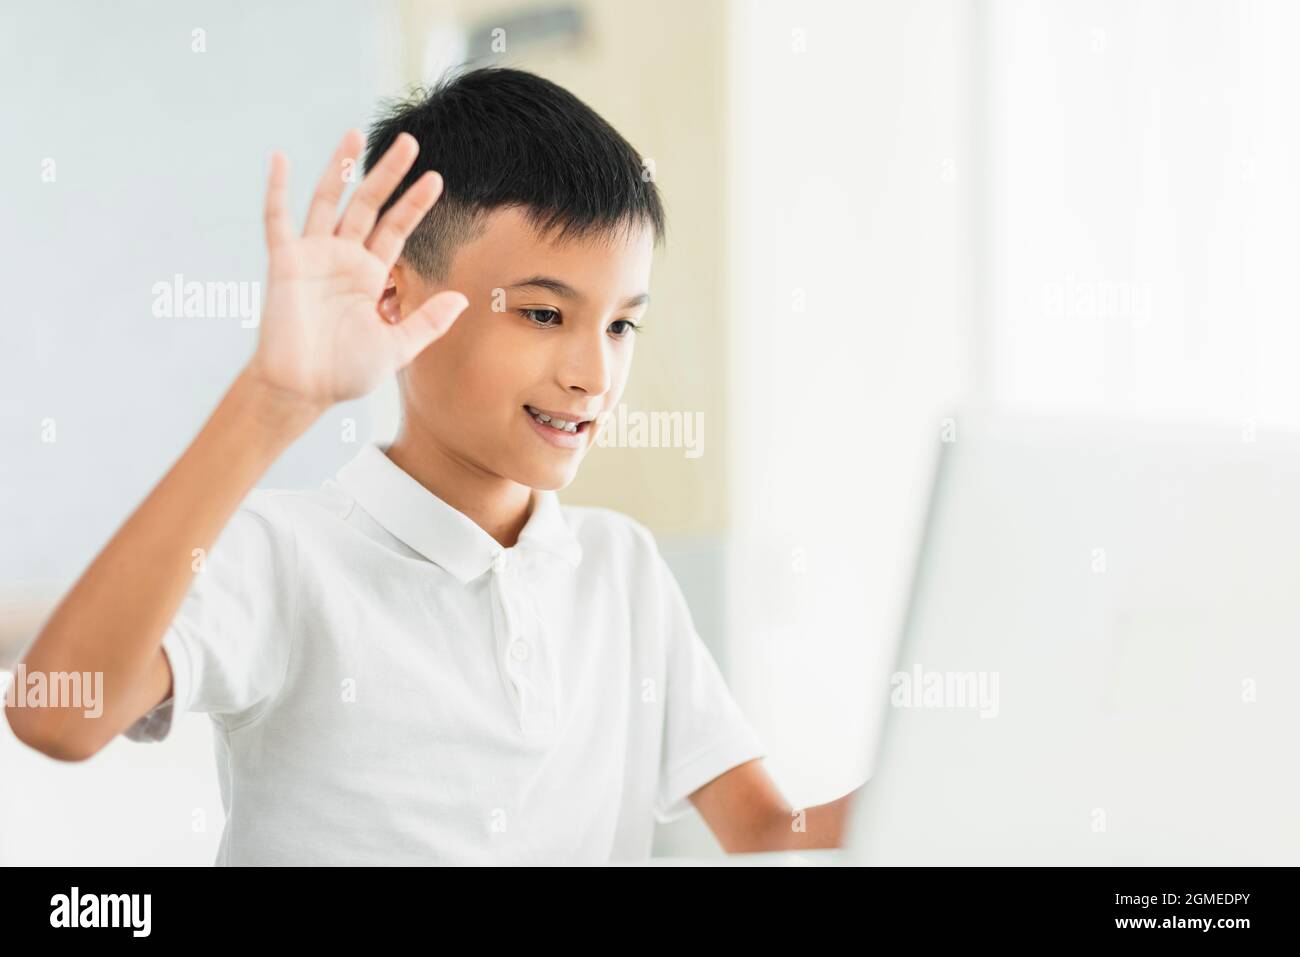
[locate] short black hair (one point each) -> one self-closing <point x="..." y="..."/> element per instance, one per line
<point x="501" y="138"/>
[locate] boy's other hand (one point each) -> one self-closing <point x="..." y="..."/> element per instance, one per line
<point x="322" y="338"/>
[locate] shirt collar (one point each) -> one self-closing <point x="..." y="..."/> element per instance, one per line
<point x="445" y="536"/>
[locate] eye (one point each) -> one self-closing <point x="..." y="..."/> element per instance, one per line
<point x="542" y="317"/>
<point x="627" y="326"/>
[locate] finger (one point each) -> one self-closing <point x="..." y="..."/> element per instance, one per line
<point x="279" y="228"/>
<point x="359" y="218"/>
<point x="400" y="221"/>
<point x="431" y="321"/>
<point x="323" y="212"/>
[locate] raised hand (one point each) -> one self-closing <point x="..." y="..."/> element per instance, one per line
<point x="322" y="339"/>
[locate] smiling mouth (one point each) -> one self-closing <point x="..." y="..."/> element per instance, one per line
<point x="557" y="423"/>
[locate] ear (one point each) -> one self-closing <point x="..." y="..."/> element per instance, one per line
<point x="390" y="300"/>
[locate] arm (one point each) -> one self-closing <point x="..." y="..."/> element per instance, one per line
<point x="114" y="618"/>
<point x="747" y="812"/>
<point x="325" y="336"/>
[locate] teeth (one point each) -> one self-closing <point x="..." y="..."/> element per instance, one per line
<point x="560" y="424"/>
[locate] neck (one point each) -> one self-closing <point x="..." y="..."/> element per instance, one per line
<point x="497" y="505"/>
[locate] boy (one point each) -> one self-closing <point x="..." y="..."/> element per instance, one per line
<point x="428" y="660"/>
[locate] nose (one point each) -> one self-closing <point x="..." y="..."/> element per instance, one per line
<point x="584" y="366"/>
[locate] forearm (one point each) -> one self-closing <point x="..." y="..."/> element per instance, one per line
<point x="820" y="826"/>
<point x="113" y="619"/>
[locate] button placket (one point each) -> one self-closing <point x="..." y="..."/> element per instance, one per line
<point x="517" y="658"/>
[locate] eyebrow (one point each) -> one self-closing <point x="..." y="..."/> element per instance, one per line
<point x="561" y="288"/>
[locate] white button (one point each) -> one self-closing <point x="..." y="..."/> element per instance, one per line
<point x="500" y="561"/>
<point x="519" y="650"/>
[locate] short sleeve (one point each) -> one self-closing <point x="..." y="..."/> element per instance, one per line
<point x="705" y="732"/>
<point x="229" y="643"/>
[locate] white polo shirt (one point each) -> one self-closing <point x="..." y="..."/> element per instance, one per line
<point x="387" y="685"/>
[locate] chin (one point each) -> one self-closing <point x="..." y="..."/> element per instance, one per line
<point x="545" y="479"/>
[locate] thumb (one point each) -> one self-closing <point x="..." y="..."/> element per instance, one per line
<point x="421" y="328"/>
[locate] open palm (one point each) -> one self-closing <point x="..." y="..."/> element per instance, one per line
<point x="322" y="337"/>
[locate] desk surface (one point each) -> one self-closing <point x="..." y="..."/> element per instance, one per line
<point x="821" y="858"/>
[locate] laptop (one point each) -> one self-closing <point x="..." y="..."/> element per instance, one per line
<point x="1099" y="657"/>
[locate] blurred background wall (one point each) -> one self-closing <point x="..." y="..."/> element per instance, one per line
<point x="1143" y="208"/>
<point x="881" y="215"/>
<point x="852" y="262"/>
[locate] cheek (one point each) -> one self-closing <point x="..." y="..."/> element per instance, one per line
<point x="506" y="364"/>
<point x="620" y="369"/>
<point x="481" y="372"/>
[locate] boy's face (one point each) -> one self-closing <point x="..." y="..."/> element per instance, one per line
<point x="549" y="328"/>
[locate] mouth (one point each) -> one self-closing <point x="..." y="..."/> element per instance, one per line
<point x="563" y="429"/>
